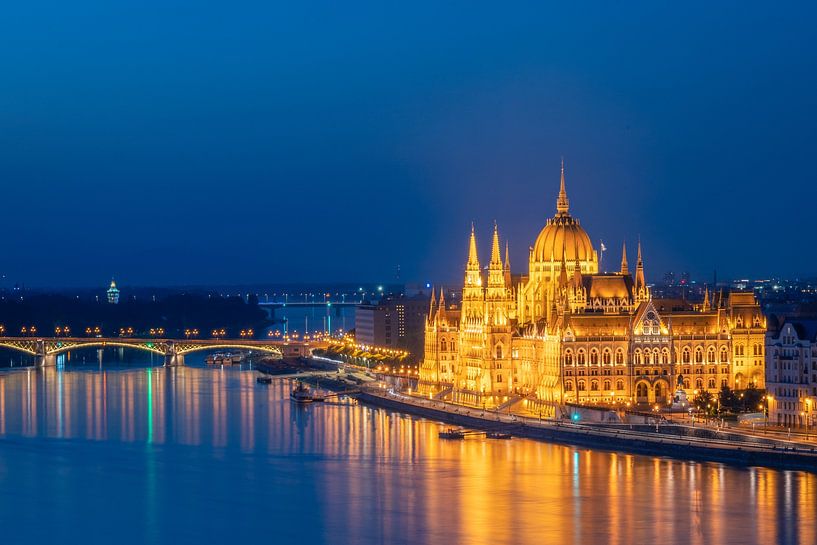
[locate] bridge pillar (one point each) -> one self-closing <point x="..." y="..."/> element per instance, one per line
<point x="173" y="359"/>
<point x="43" y="358"/>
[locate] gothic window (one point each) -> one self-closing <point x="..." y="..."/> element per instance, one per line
<point x="499" y="351"/>
<point x="499" y="378"/>
<point x="665" y="357"/>
<point x="710" y="355"/>
<point x="699" y="383"/>
<point x="568" y="358"/>
<point x="699" y="355"/>
<point x="724" y="383"/>
<point x="453" y="346"/>
<point x="738" y="349"/>
<point x="711" y="383"/>
<point x="569" y="386"/>
<point x="581" y="385"/>
<point x="606" y="385"/>
<point x="594" y="357"/>
<point x="724" y="355"/>
<point x="685" y="355"/>
<point x="686" y="383"/>
<point x="637" y="357"/>
<point x="443" y="345"/>
<point x="581" y="357"/>
<point x="619" y="385"/>
<point x="619" y="357"/>
<point x="594" y="385"/>
<point x="605" y="357"/>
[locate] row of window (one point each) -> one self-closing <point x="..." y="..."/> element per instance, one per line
<point x="594" y="385"/>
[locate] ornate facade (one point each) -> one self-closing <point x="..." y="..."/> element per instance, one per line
<point x="567" y="333"/>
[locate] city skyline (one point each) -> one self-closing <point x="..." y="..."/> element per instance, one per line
<point x="266" y="145"/>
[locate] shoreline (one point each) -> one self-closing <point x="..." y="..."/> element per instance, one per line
<point x="769" y="453"/>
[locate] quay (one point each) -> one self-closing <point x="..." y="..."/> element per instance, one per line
<point x="672" y="440"/>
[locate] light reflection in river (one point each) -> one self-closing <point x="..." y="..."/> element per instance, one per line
<point x="175" y="455"/>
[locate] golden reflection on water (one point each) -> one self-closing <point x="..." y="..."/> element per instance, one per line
<point x="382" y="474"/>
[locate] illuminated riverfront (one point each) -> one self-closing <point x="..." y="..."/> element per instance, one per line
<point x="197" y="454"/>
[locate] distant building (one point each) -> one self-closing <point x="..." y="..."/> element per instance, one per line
<point x="791" y="372"/>
<point x="113" y="293"/>
<point x="395" y="322"/>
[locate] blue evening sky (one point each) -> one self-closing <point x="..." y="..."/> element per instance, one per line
<point x="229" y="142"/>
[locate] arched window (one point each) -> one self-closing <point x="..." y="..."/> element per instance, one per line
<point x="606" y="385"/>
<point x="757" y="350"/>
<point x="619" y="357"/>
<point x="594" y="385"/>
<point x="724" y="355"/>
<point x="499" y="351"/>
<point x="581" y="385"/>
<point x="568" y="358"/>
<point x="443" y="345"/>
<point x="711" y="383"/>
<point x="594" y="357"/>
<point x="724" y="383"/>
<point x="637" y="357"/>
<point x="685" y="355"/>
<point x="619" y="385"/>
<point x="499" y="378"/>
<point x="581" y="357"/>
<point x="699" y="355"/>
<point x="665" y="357"/>
<point x="641" y="390"/>
<point x="710" y="355"/>
<point x="569" y="386"/>
<point x="453" y="346"/>
<point x="699" y="383"/>
<point x="686" y="384"/>
<point x="605" y="357"/>
<point x="738" y="349"/>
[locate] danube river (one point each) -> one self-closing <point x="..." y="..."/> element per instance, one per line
<point x="193" y="455"/>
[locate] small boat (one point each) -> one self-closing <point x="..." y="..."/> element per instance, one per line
<point x="452" y="433"/>
<point x="497" y="435"/>
<point x="263" y="380"/>
<point x="302" y="394"/>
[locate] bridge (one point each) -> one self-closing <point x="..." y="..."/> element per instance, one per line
<point x="45" y="350"/>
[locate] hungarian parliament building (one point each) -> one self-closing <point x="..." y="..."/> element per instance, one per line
<point x="567" y="333"/>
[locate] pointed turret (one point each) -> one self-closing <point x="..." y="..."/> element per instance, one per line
<point x="507" y="265"/>
<point x="496" y="261"/>
<point x="705" y="306"/>
<point x="641" y="290"/>
<point x="577" y="272"/>
<point x="624" y="269"/>
<point x="441" y="307"/>
<point x="473" y="260"/>
<point x="562" y="202"/>
<point x="563" y="272"/>
<point x="431" y="304"/>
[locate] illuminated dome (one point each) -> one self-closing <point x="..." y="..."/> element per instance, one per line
<point x="563" y="234"/>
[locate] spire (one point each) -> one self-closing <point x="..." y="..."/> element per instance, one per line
<point x="563" y="272"/>
<point x="473" y="260"/>
<point x="562" y="203"/>
<point x="624" y="269"/>
<point x="507" y="266"/>
<point x="705" y="306"/>
<point x="432" y="302"/>
<point x="442" y="300"/>
<point x="577" y="268"/>
<point x="496" y="262"/>
<point x="640" y="283"/>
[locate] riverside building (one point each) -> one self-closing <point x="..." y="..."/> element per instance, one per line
<point x="565" y="332"/>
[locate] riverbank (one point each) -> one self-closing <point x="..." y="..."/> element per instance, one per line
<point x="667" y="439"/>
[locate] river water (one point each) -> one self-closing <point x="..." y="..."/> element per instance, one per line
<point x="195" y="455"/>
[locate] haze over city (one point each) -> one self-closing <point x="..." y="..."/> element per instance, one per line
<point x="172" y="143"/>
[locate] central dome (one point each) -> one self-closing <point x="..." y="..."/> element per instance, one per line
<point x="563" y="235"/>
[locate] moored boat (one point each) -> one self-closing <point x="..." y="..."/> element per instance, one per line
<point x="452" y="433"/>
